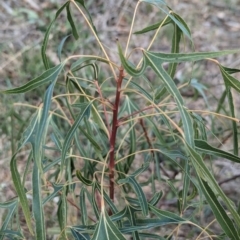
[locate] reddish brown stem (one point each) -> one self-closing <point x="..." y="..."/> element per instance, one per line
<point x="104" y="107"/>
<point x="114" y="134"/>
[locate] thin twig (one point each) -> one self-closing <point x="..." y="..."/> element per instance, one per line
<point x="229" y="179"/>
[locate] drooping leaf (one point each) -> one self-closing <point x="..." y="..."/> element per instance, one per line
<point x="70" y="20"/>
<point x="106" y="229"/>
<point x="128" y="67"/>
<point x="166" y="216"/>
<point x="60" y="47"/>
<point x="138" y="190"/>
<point x="204" y="173"/>
<point x="219" y="212"/>
<point x="46" y="37"/>
<point x="154" y="63"/>
<point x="175" y="18"/>
<point x="177" y="34"/>
<point x="78" y="64"/>
<point x="83" y="179"/>
<point x="21" y="192"/>
<point x="81" y="2"/>
<point x="47" y="77"/>
<point x="203" y="146"/>
<point x="156" y="198"/>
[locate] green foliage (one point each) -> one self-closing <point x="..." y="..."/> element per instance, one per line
<point x="95" y="143"/>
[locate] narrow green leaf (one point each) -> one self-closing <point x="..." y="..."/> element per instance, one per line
<point x="167" y="217"/>
<point x="156" y="198"/>
<point x="71" y="132"/>
<point x="60" y="47"/>
<point x="78" y="64"/>
<point x="70" y="20"/>
<point x="21" y="192"/>
<point x="204" y="173"/>
<point x="141" y="169"/>
<point x="28" y="165"/>
<point x="128" y="67"/>
<point x="48" y="76"/>
<point x="230" y="70"/>
<point x="93" y="200"/>
<point x="219" y="212"/>
<point x="12" y="235"/>
<point x="154" y="26"/>
<point x="138" y="190"/>
<point x="221" y="101"/>
<point x="120" y="215"/>
<point x="203" y="146"/>
<point x="177" y="33"/>
<point x="231" y="82"/>
<point x="140" y="89"/>
<point x="79" y="236"/>
<point x="132" y="139"/>
<point x="186" y="183"/>
<point x="38" y="140"/>
<point x="81" y="2"/>
<point x="175" y="18"/>
<point x="106" y="229"/>
<point x="37" y="203"/>
<point x="155" y="64"/>
<point x="133" y="202"/>
<point x="11" y="206"/>
<point x="96" y="146"/>
<point x="62" y="213"/>
<point x="83" y="206"/>
<point x="107" y="199"/>
<point x="56" y="141"/>
<point x="83" y="179"/>
<point x="186" y="57"/>
<point x="56" y="189"/>
<point x="46" y="37"/>
<point x="182" y="25"/>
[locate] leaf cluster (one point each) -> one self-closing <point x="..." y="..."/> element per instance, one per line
<point x="91" y="147"/>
